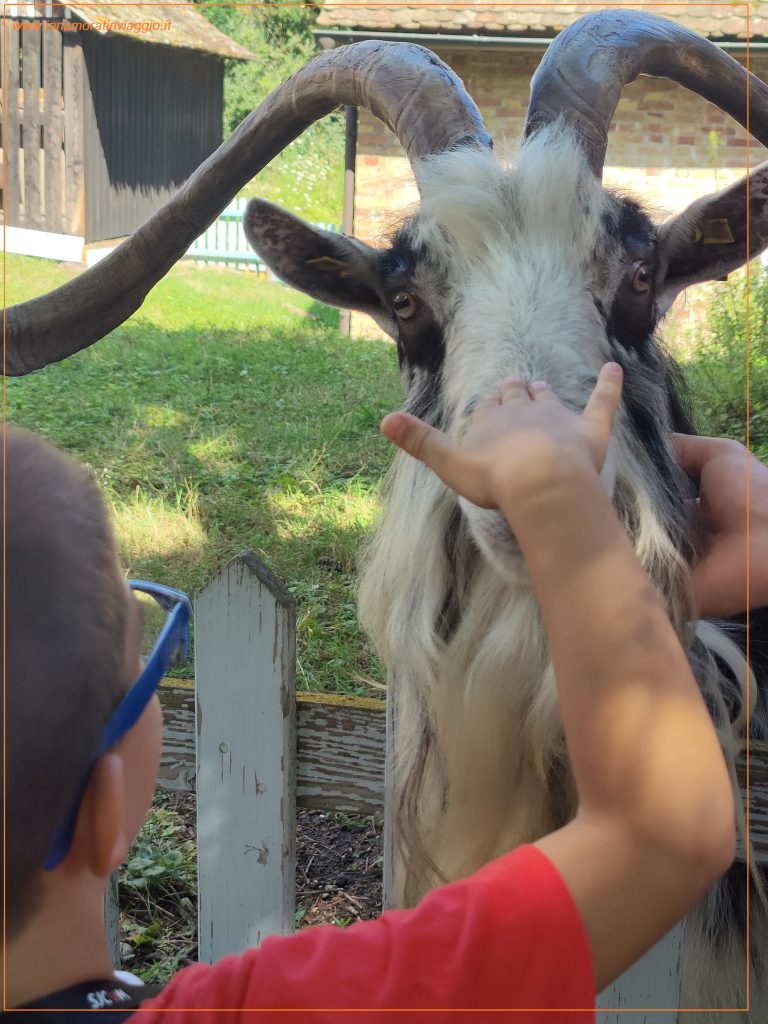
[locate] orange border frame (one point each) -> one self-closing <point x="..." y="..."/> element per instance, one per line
<point x="341" y="1010"/>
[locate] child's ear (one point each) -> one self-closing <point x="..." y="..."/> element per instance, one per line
<point x="100" y="837"/>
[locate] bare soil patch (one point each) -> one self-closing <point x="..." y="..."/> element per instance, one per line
<point x="338" y="881"/>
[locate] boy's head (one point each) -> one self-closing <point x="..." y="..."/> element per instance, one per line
<point x="69" y="636"/>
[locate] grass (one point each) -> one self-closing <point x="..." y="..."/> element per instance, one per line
<point x="226" y="414"/>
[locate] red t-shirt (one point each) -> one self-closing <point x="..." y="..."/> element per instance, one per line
<point x="509" y="937"/>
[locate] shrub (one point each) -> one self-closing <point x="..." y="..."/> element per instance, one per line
<point x="730" y="353"/>
<point x="308" y="177"/>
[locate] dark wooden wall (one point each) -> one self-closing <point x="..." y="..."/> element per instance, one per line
<point x="101" y="131"/>
<point x="43" y="126"/>
<point x="152" y="114"/>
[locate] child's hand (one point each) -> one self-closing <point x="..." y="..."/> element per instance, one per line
<point x="516" y="441"/>
<point x="734" y="516"/>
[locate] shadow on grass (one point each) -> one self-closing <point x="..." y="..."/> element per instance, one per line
<point x="208" y="443"/>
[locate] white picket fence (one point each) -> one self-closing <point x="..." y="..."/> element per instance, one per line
<point x="252" y="751"/>
<point x="224" y="243"/>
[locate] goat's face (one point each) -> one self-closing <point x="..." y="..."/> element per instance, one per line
<point x="536" y="270"/>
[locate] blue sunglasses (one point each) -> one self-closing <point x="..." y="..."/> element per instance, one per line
<point x="172" y="645"/>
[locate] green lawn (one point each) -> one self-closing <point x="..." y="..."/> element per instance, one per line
<point x="229" y="414"/>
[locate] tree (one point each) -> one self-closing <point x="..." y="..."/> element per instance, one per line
<point x="279" y="34"/>
<point x="308" y="176"/>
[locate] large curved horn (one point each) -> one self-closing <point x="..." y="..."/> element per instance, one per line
<point x="406" y="86"/>
<point x="588" y="64"/>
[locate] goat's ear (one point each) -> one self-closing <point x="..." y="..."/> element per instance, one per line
<point x="334" y="269"/>
<point x="708" y="240"/>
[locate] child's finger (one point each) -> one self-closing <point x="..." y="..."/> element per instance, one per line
<point x="425" y="443"/>
<point x="512" y="388"/>
<point x="694" y="451"/>
<point x="605" y="398"/>
<point x="541" y="391"/>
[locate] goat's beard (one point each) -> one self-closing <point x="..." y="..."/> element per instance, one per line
<point x="496" y="540"/>
<point x="480" y="758"/>
<point x="480" y="763"/>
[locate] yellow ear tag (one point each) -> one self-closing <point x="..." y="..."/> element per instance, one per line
<point x="714" y="232"/>
<point x="329" y="263"/>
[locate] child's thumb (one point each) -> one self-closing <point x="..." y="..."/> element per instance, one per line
<point x="427" y="444"/>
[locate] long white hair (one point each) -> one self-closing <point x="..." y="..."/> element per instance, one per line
<point x="527" y="256"/>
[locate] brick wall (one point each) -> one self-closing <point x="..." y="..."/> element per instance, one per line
<point x="659" y="147"/>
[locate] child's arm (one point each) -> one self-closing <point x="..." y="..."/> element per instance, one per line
<point x="655" y="823"/>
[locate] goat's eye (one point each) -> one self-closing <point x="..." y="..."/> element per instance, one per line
<point x="640" y="277"/>
<point x="404" y="304"/>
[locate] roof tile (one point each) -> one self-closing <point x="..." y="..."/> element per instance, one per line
<point x="188" y="28"/>
<point x="716" y="20"/>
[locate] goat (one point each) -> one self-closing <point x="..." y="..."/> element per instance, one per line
<point x="541" y="272"/>
<point x="536" y="270"/>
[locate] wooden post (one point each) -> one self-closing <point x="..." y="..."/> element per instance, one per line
<point x="350" y="158"/>
<point x="112" y="919"/>
<point x="31" y="45"/>
<point x="245" y="635"/>
<point x="650" y="984"/>
<point x="12" y="126"/>
<point x="388" y="893"/>
<point x="74" y="144"/>
<point x="53" y="127"/>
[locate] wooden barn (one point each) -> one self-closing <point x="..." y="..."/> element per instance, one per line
<point x="106" y="111"/>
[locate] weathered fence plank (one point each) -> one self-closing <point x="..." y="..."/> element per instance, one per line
<point x="112" y="918"/>
<point x="651" y="985"/>
<point x="326" y="764"/>
<point x="246" y="758"/>
<point x="177" y="760"/>
<point x="53" y="127"/>
<point x="339" y="755"/>
<point x="74" y="142"/>
<point x="33" y="199"/>
<point x="12" y="126"/>
<point x="758" y="800"/>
